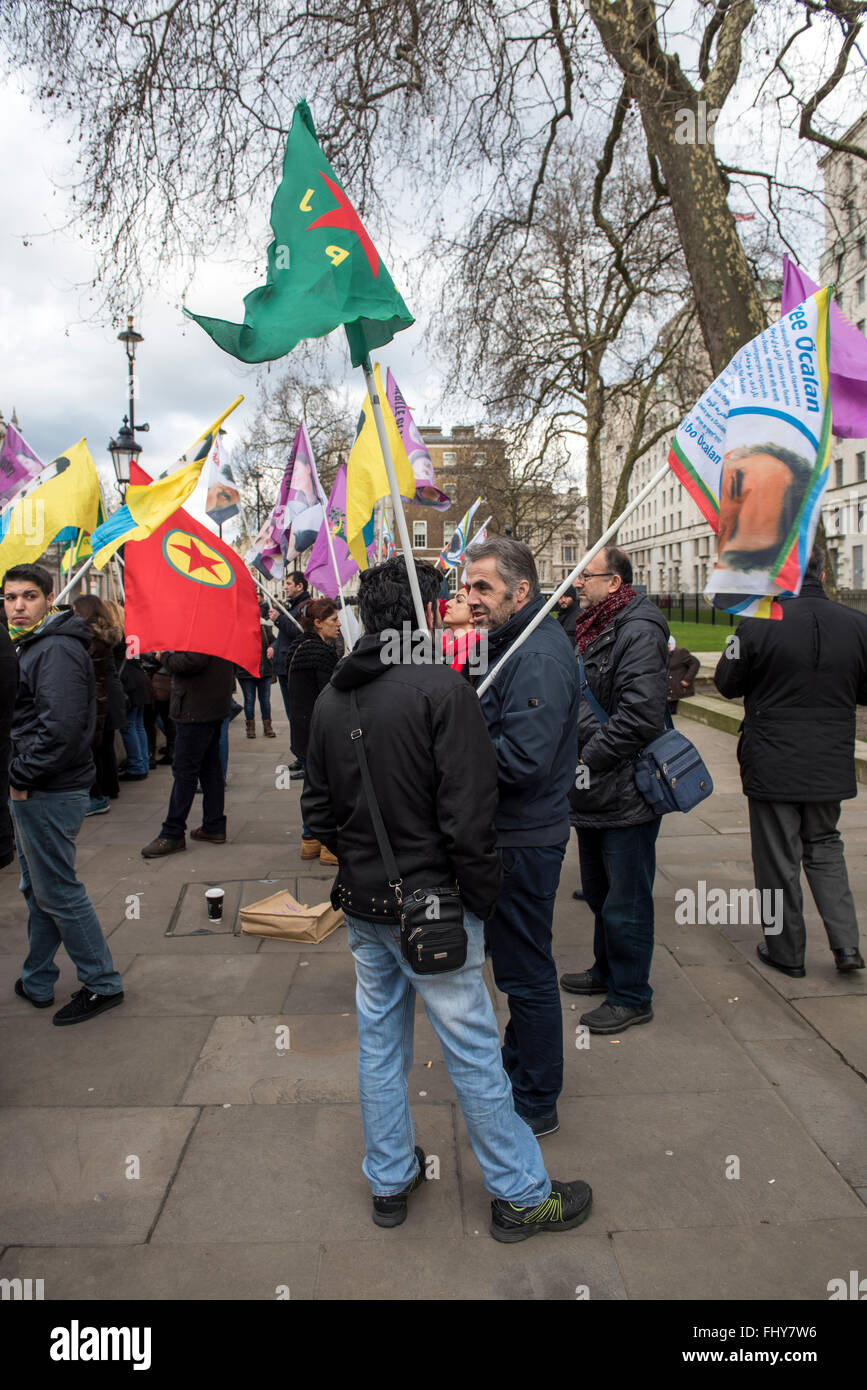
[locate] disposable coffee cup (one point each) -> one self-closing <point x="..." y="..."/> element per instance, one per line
<point x="214" y="898"/>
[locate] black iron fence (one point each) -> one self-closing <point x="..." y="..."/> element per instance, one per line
<point x="691" y="608"/>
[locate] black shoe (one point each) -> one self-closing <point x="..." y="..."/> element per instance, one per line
<point x="613" y="1018"/>
<point x="542" y="1124"/>
<point x="846" y="960"/>
<point x="167" y="758"/>
<point x="568" y="1205"/>
<point x="582" y="984"/>
<point x="391" y="1211"/>
<point x="202" y="834"/>
<point x="295" y="767"/>
<point x="85" y="1004"/>
<point x="37" y="1003"/>
<point x="132" y="777"/>
<point x="579" y="896"/>
<point x="797" y="972"/>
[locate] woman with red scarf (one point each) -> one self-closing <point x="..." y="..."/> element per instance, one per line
<point x="459" y="635"/>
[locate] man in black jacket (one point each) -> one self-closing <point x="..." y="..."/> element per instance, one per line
<point x="801" y="678"/>
<point x="435" y="779"/>
<point x="50" y="775"/>
<point x="8" y="687"/>
<point x="531" y="710"/>
<point x="201" y="699"/>
<point x="289" y="634"/>
<point x="622" y="641"/>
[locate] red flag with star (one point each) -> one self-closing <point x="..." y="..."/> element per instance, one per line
<point x="187" y="591"/>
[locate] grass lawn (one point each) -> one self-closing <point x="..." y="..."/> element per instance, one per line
<point x="701" y="637"/>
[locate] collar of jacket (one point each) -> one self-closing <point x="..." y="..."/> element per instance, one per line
<point x="811" y="588"/>
<point x="504" y="636"/>
<point x="607" y="634"/>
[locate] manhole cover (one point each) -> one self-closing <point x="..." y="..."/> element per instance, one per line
<point x="190" y="915"/>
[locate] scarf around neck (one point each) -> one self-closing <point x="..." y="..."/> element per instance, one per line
<point x="597" y="618"/>
<point x="16" y="632"/>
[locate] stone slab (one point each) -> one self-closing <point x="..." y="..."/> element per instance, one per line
<point x="280" y="1059"/>
<point x="822" y="977"/>
<point x="791" y="1262"/>
<point x="620" y="1143"/>
<point x="151" y="1272"/>
<point x="212" y="984"/>
<point x="750" y="1008"/>
<point x="118" y="1059"/>
<point x="293" y="1173"/>
<point x="325" y="985"/>
<point x="63" y="1172"/>
<point x="473" y="1268"/>
<point x="843" y="1023"/>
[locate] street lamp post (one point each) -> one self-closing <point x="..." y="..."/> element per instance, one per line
<point x="126" y="447"/>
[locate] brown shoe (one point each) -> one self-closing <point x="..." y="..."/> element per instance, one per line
<point x="268" y="731"/>
<point x="326" y="857"/>
<point x="310" y="849"/>
<point x="201" y="834"/>
<point x="251" y="728"/>
<point x="159" y="847"/>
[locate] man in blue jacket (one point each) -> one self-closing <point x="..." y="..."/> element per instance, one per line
<point x="531" y="709"/>
<point x="50" y="775"/>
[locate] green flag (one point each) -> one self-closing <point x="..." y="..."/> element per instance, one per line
<point x="323" y="269"/>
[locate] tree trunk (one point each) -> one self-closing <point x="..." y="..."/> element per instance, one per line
<point x="729" y="305"/>
<point x="593" y="408"/>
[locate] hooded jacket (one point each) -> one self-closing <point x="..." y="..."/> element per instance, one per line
<point x="55" y="709"/>
<point x="201" y="687"/>
<point x="626" y="668"/>
<point x="801" y="678"/>
<point x="310" y="667"/>
<point x="531" y="710"/>
<point x="434" y="773"/>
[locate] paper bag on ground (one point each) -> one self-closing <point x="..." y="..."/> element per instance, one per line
<point x="283" y="916"/>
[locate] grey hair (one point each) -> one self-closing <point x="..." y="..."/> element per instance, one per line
<point x="512" y="559"/>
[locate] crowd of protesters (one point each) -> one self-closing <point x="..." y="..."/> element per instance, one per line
<point x="411" y="780"/>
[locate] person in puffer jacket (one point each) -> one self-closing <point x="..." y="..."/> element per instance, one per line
<point x="622" y="645"/>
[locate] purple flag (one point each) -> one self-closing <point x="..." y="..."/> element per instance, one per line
<point x="847" y="377"/>
<point x="296" y="518"/>
<point x="18" y="464"/>
<point x="427" y="494"/>
<point x="320" y="571"/>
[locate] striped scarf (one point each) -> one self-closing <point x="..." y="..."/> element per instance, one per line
<point x="16" y="632"/>
<point x="597" y="618"/>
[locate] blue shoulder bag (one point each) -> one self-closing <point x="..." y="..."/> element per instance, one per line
<point x="669" y="772"/>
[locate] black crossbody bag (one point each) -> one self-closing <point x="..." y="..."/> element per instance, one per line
<point x="432" y="934"/>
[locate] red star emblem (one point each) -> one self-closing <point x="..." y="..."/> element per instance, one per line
<point x="198" y="559"/>
<point x="347" y="219"/>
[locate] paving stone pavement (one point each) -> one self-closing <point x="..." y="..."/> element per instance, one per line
<point x="172" y="1150"/>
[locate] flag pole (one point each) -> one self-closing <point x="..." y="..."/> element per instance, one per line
<point x="74" y="580"/>
<point x="274" y="602"/>
<point x="399" y="516"/>
<point x="603" y="540"/>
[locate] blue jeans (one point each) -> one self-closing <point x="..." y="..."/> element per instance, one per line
<point x="519" y="934"/>
<point x="46" y="826"/>
<point x="618" y="866"/>
<point x="250" y="685"/>
<point x="135" y="742"/>
<point x="224" y="748"/>
<point x="460" y="1010"/>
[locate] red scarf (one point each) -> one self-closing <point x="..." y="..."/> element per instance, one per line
<point x="597" y="618"/>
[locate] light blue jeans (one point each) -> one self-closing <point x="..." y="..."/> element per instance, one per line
<point x="135" y="741"/>
<point x="460" y="1010"/>
<point x="46" y="826"/>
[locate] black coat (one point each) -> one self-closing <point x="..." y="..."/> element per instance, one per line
<point x="435" y="776"/>
<point x="55" y="709"/>
<point x="8" y="688"/>
<point x="626" y="668"/>
<point x="202" y="687"/>
<point x="134" y="679"/>
<point x="531" y="710"/>
<point x="288" y="635"/>
<point x="266" y="665"/>
<point x="801" y="678"/>
<point x="310" y="671"/>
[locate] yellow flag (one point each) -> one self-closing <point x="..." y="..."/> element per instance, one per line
<point x="149" y="505"/>
<point x="68" y="498"/>
<point x="366" y="478"/>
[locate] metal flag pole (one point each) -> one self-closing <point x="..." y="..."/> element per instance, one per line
<point x="342" y="615"/>
<point x="396" y="503"/>
<point x="274" y="602"/>
<point x="570" y="580"/>
<point x="74" y="580"/>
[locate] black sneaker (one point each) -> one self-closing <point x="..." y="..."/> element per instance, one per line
<point x="37" y="1003"/>
<point x="583" y="983"/>
<point x="613" y="1018"/>
<point x="568" y="1205"/>
<point x="542" y="1124"/>
<point x="85" y="1004"/>
<point x="391" y="1211"/>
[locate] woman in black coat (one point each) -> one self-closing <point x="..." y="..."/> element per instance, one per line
<point x="310" y="669"/>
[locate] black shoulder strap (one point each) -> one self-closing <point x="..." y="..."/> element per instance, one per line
<point x="388" y="859"/>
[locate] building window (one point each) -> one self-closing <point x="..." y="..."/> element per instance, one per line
<point x="419" y="535"/>
<point x="449" y="528"/>
<point x="857" y="567"/>
<point x="838" y="471"/>
<point x="450" y="458"/>
<point x="850" y="217"/>
<point x="859" y="290"/>
<point x="480" y="460"/>
<point x="861" y="325"/>
<point x="570" y="554"/>
<point x="861" y="470"/>
<point x="862" y="248"/>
